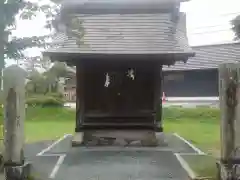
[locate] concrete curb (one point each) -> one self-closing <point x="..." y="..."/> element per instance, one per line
<point x="197" y="150"/>
<point x="192" y="175"/>
<point x="60" y="156"/>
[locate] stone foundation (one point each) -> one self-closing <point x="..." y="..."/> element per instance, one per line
<point x="17" y="172"/>
<point x="77" y="139"/>
<point x="122" y="138"/>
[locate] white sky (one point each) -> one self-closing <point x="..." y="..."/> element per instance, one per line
<point x="208" y="22"/>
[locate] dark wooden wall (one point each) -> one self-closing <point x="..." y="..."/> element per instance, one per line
<point x="193" y="83"/>
<point x="125" y="102"/>
<point x="123" y="93"/>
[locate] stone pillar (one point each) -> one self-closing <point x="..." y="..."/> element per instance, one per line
<point x="229" y="78"/>
<point x="14" y="115"/>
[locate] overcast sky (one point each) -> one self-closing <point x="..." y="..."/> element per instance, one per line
<point x="208" y="22"/>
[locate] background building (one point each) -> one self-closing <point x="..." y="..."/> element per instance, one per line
<point x="199" y="76"/>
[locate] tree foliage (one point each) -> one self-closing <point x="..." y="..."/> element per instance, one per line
<point x="10" y="10"/>
<point x="236" y="26"/>
<point x="48" y="81"/>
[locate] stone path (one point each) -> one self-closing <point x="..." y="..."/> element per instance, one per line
<point x="2" y="177"/>
<point x="121" y="164"/>
<point x="61" y="161"/>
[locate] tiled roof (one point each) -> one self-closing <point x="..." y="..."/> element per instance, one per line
<point x="127" y="34"/>
<point x="117" y="6"/>
<point x="209" y="57"/>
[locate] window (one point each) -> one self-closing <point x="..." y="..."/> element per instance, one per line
<point x="174" y="77"/>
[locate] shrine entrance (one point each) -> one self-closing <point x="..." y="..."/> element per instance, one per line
<point x="114" y="94"/>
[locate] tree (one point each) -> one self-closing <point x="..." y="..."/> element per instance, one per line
<point x="36" y="84"/>
<point x="48" y="81"/>
<point x="236" y="26"/>
<point x="59" y="69"/>
<point x="13" y="47"/>
<point x="35" y="63"/>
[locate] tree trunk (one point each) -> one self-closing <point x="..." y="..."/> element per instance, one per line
<point x="2" y="40"/>
<point x="50" y="88"/>
<point x="1" y="58"/>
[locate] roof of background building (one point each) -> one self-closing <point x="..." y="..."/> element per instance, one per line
<point x="209" y="57"/>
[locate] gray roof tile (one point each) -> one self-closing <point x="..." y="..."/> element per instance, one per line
<point x="209" y="57"/>
<point x="127" y="34"/>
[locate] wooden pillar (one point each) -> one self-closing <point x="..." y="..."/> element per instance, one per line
<point x="80" y="76"/>
<point x="229" y="77"/>
<point x="157" y="97"/>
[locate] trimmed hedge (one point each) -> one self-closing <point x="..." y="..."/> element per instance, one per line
<point x="45" y="101"/>
<point x="199" y="113"/>
<point x="56" y="95"/>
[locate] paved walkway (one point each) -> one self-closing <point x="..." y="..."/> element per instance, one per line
<point x="2" y="177"/>
<point x="121" y="164"/>
<point x="60" y="161"/>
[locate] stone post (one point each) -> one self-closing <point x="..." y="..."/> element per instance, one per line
<point x="229" y="97"/>
<point x="14" y="115"/>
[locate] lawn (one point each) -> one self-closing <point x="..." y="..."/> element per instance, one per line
<point x="205" y="134"/>
<point x="199" y="126"/>
<point x="48" y="123"/>
<point x="52" y="123"/>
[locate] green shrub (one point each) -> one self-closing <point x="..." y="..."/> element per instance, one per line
<point x="44" y="101"/>
<point x="200" y="113"/>
<point x="1" y="115"/>
<point x="56" y="95"/>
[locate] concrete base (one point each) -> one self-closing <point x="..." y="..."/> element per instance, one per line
<point x="17" y="172"/>
<point x="161" y="139"/>
<point x="121" y="137"/>
<point x="77" y="139"/>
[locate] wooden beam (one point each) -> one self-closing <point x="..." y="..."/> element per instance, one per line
<point x="157" y="97"/>
<point x="80" y="103"/>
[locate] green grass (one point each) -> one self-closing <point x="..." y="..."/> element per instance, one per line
<point x="198" y="126"/>
<point x="52" y="123"/>
<point x="205" y="134"/>
<point x="204" y="166"/>
<point x="48" y="123"/>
